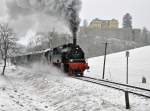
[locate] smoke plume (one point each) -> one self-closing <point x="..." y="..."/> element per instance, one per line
<point x="43" y="14"/>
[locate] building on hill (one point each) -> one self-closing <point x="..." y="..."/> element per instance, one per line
<point x="104" y="24"/>
<point x="90" y="37"/>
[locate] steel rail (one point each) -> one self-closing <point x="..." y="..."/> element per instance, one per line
<point x="127" y="85"/>
<point x="99" y="82"/>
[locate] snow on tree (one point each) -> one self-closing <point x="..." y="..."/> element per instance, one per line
<point x="7" y="43"/>
<point x="127" y="21"/>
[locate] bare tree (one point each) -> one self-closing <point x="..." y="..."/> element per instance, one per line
<point x="7" y="43"/>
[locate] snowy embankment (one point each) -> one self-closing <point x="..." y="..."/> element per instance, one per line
<point x="139" y="66"/>
<point x="45" y="88"/>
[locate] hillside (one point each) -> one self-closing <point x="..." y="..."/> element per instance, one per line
<point x="92" y="40"/>
<point x="45" y="88"/>
<point x="139" y="62"/>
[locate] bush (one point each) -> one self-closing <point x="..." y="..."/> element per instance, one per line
<point x="143" y="80"/>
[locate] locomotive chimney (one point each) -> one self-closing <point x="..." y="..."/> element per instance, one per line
<point x="74" y="38"/>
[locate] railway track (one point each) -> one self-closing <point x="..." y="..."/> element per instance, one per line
<point x="119" y="86"/>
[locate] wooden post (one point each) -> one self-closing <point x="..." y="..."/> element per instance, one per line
<point x="127" y="76"/>
<point x="126" y="92"/>
<point x="127" y="100"/>
<point x="104" y="60"/>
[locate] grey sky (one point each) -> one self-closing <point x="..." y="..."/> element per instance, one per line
<point x="108" y="9"/>
<point x="103" y="9"/>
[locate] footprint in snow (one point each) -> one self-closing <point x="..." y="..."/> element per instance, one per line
<point x="2" y="105"/>
<point x="46" y="106"/>
<point x="11" y="96"/>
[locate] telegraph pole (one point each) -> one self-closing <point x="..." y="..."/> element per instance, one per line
<point x="106" y="44"/>
<point x="126" y="92"/>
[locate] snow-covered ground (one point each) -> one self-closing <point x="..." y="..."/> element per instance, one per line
<point x="45" y="88"/>
<point x="139" y="66"/>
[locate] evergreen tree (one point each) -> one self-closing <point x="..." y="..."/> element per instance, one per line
<point x="127" y="21"/>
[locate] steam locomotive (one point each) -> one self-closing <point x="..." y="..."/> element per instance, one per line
<point x="69" y="57"/>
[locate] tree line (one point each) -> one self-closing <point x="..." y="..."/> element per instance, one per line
<point x="7" y="44"/>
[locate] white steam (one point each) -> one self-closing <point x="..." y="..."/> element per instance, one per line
<point x="46" y="69"/>
<point x="43" y="15"/>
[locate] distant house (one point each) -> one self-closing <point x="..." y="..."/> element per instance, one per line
<point x="104" y="24"/>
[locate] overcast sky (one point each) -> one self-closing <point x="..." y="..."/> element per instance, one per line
<point x="108" y="9"/>
<point x="102" y="9"/>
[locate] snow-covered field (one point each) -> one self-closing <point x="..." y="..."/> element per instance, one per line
<point x="139" y="66"/>
<point x="45" y="88"/>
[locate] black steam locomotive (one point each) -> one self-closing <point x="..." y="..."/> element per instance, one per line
<point x="69" y="57"/>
